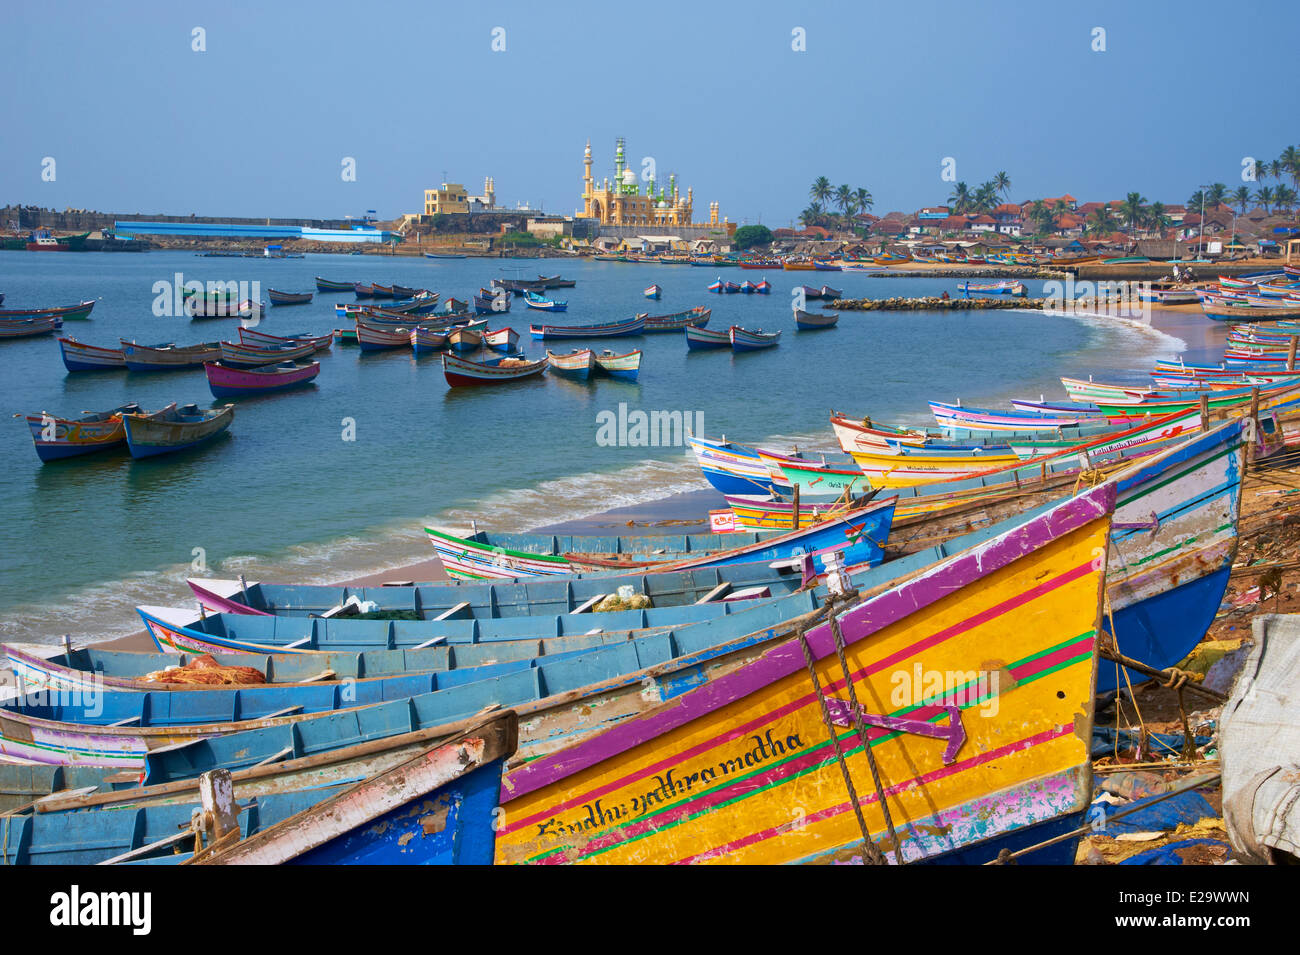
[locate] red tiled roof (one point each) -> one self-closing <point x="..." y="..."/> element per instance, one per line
<point x="983" y="220"/>
<point x="889" y="225"/>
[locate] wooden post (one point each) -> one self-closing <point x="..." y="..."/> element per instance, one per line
<point x="1205" y="412"/>
<point x="1290" y="354"/>
<point x="794" y="511"/>
<point x="1254" y="426"/>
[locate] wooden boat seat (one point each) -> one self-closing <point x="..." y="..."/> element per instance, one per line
<point x="452" y="611"/>
<point x="715" y="594"/>
<point x="588" y="604"/>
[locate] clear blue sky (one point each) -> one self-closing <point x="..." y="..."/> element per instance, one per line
<point x="259" y="123"/>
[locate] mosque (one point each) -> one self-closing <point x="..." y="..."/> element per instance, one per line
<point x="622" y="201"/>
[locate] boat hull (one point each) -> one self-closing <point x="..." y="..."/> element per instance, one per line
<point x="227" y="382"/>
<point x="148" y="437"/>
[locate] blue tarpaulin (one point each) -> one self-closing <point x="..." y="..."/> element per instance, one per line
<point x="1168" y="855"/>
<point x="1189" y="807"/>
<point x="1162" y="744"/>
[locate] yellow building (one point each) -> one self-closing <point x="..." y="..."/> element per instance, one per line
<point x="623" y="203"/>
<point x="452" y="197"/>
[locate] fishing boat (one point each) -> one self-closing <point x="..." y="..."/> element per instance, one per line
<point x="631" y="326"/>
<point x="363" y="290"/>
<point x="174" y="429"/>
<point x="856" y="535"/>
<point x="383" y="291"/>
<point x="373" y="338"/>
<point x="748" y="288"/>
<point x="168" y="357"/>
<point x="578" y="364"/>
<point x="462" y="372"/>
<point x="698" y="337"/>
<point x="654" y="291"/>
<point x="29" y="327"/>
<point x="809" y="293"/>
<point x="1001" y="287"/>
<point x="830" y="293"/>
<point x="254" y="356"/>
<point x="504" y="339"/>
<point x="809" y="321"/>
<point x="201" y="308"/>
<point x="533" y="300"/>
<point x="405" y="291"/>
<point x="955" y="415"/>
<point x="730" y="288"/>
<point x="1167" y="293"/>
<point x="487" y="303"/>
<point x="78" y="356"/>
<point x="764" y="287"/>
<point x="444" y="255"/>
<point x="744" y="339"/>
<point x="441" y="807"/>
<point x="288" y="298"/>
<point x="717" y="287"/>
<point x="240" y="382"/>
<point x="734" y="468"/>
<point x="58" y="438"/>
<point x="625" y="367"/>
<point x="345" y="336"/>
<point x="425" y="340"/>
<point x="675" y="322"/>
<point x="1224" y="310"/>
<point x="66" y="312"/>
<point x="465" y="338"/>
<point x="325" y="285"/>
<point x="959" y="782"/>
<point x="251" y="336"/>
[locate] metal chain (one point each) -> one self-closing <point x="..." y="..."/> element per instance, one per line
<point x="871" y="850"/>
<point x="862" y="735"/>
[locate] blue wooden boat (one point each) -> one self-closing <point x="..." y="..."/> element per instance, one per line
<point x="654" y="291"/>
<point x="717" y="286"/>
<point x="473" y="599"/>
<point x="744" y="339"/>
<point x="698" y="338"/>
<point x="174" y="629"/>
<point x="439" y="808"/>
<point x="59" y="438"/>
<point x="533" y="300"/>
<point x="156" y="828"/>
<point x="811" y="321"/>
<point x="78" y="356"/>
<point x="175" y="429"/>
<point x="631" y="326"/>
<point x="288" y="298"/>
<point x="625" y="367"/>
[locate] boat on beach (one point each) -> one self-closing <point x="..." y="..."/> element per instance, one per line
<point x="174" y="429"/>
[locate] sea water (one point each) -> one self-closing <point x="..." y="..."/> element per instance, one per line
<point x="336" y="480"/>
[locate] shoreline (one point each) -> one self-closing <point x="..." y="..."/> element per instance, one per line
<point x="686" y="511"/>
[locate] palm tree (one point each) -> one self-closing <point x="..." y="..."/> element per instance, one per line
<point x="1218" y="192"/>
<point x="844" y="199"/>
<point x="1265" y="197"/>
<point x="1132" y="208"/>
<point x="1002" y="182"/>
<point x="1103" y="223"/>
<point x="1284" y="197"/>
<point x="1040" y="215"/>
<point x="812" y="215"/>
<point x="864" y="199"/>
<point x="1195" y="200"/>
<point x="1241" y="199"/>
<point x="985" y="197"/>
<point x="1157" y="221"/>
<point x="821" y="190"/>
<point x="1290" y="162"/>
<point x="960" y="198"/>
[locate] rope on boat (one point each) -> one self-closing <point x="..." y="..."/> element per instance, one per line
<point x="861" y="727"/>
<point x="870" y="849"/>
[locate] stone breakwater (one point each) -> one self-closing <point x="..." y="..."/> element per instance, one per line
<point x="931" y="303"/>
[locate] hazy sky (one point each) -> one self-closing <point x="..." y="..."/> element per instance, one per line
<point x="260" y="123"/>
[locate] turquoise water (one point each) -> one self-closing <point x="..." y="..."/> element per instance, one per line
<point x="284" y="496"/>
